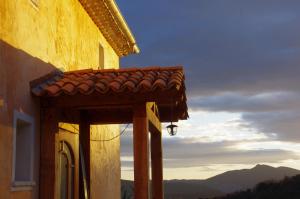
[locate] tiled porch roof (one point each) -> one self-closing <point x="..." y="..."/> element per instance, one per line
<point x="148" y="81"/>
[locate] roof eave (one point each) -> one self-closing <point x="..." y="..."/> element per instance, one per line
<point x="112" y="25"/>
<point x="123" y="25"/>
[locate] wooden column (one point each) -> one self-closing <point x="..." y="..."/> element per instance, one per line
<point x="84" y="139"/>
<point x="156" y="166"/>
<point x="156" y="151"/>
<point x="141" y="152"/>
<point x="49" y="127"/>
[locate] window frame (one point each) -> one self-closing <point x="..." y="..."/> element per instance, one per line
<point x="23" y="185"/>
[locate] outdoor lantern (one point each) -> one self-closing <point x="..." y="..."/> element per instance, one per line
<point x="172" y="129"/>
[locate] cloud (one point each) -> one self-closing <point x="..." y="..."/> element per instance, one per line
<point x="237" y="102"/>
<point x="188" y="152"/>
<point x="197" y="153"/>
<point x="285" y="125"/>
<point x="275" y="114"/>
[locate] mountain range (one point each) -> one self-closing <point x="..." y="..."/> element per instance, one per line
<point x="218" y="185"/>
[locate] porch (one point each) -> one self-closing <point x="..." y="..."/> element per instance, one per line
<point x="142" y="96"/>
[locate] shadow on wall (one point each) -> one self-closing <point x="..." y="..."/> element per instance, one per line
<point x="17" y="69"/>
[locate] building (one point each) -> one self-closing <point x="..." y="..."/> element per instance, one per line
<point x="60" y="80"/>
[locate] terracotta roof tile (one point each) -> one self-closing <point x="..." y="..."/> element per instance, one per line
<point x="160" y="83"/>
<point x="100" y="87"/>
<point x="129" y="85"/>
<point x="68" y="89"/>
<point x="146" y="84"/>
<point x="51" y="90"/>
<point x="115" y="86"/>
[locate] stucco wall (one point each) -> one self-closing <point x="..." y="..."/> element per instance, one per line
<point x="58" y="32"/>
<point x="34" y="40"/>
<point x="105" y="169"/>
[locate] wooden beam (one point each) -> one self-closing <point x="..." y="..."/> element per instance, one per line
<point x="157" y="166"/>
<point x="49" y="127"/>
<point x="84" y="139"/>
<point x="101" y="100"/>
<point x="153" y="117"/>
<point x="156" y="150"/>
<point x="116" y="111"/>
<point x="102" y="116"/>
<point x="141" y="152"/>
<point x="111" y="116"/>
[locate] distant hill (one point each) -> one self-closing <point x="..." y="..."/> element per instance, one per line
<point x="175" y="189"/>
<point x="284" y="189"/>
<point x="218" y="185"/>
<point x="235" y="180"/>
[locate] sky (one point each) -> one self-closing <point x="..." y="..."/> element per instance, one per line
<point x="242" y="67"/>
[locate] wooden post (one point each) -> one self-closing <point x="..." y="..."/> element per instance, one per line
<point x="49" y="127"/>
<point x="84" y="140"/>
<point x="156" y="151"/>
<point x="141" y="152"/>
<point x="157" y="166"/>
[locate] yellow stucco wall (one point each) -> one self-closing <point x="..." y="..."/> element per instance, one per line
<point x="34" y="40"/>
<point x="58" y="32"/>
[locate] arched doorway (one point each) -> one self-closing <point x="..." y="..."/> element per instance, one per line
<point x="66" y="171"/>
